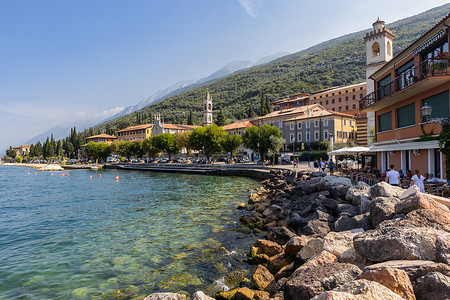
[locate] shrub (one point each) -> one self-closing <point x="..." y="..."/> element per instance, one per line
<point x="19" y="159"/>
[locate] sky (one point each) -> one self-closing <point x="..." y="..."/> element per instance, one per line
<point x="63" y="61"/>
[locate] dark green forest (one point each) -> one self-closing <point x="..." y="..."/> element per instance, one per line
<point x="336" y="62"/>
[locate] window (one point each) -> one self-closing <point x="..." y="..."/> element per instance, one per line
<point x="333" y="109"/>
<point x="316" y="123"/>
<point x="345" y="134"/>
<point x="339" y="134"/>
<point x="316" y="135"/>
<point x="325" y="134"/>
<point x="384" y="88"/>
<point x="350" y="122"/>
<point x="292" y="137"/>
<point x="291" y="126"/>
<point x="354" y="89"/>
<point x="385" y="122"/>
<point x="307" y="136"/>
<point x="299" y="125"/>
<point x="354" y="106"/>
<point x="320" y="102"/>
<point x="340" y="108"/>
<point x="345" y="122"/>
<point x="361" y="96"/>
<point x="440" y="105"/>
<point x="406" y="116"/>
<point x="346" y="98"/>
<point x="299" y="136"/>
<point x="354" y="97"/>
<point x="375" y="49"/>
<point x="326" y="102"/>
<point x="308" y="123"/>
<point x="339" y="93"/>
<point x="280" y="124"/>
<point x="325" y="122"/>
<point x="340" y="99"/>
<point x="346" y="107"/>
<point x="332" y="101"/>
<point x="405" y="74"/>
<point x="440" y="47"/>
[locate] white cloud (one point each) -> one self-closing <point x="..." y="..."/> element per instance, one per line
<point x="98" y="115"/>
<point x="251" y="6"/>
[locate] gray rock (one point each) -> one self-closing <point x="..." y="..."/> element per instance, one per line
<point x="280" y="235"/>
<point x="318" y="174"/>
<point x="316" y="281"/>
<point x="291" y="177"/>
<point x="382" y="208"/>
<point x="434" y="286"/>
<point x="348" y="209"/>
<point x="443" y="249"/>
<point x="165" y="296"/>
<point x="384" y="189"/>
<point x="363" y="221"/>
<point x="316" y="227"/>
<point x="412" y="191"/>
<point x="397" y="243"/>
<point x="312" y="248"/>
<point x="345" y="223"/>
<point x="295" y="244"/>
<point x="199" y="295"/>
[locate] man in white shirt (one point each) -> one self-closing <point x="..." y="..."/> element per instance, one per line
<point x="392" y="176"/>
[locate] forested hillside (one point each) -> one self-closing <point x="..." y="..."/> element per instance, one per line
<point x="336" y="62"/>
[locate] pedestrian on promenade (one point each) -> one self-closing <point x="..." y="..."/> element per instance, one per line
<point x="331" y="166"/>
<point x="316" y="164"/>
<point x="417" y="180"/>
<point x="322" y="165"/>
<point x="295" y="164"/>
<point x="392" y="176"/>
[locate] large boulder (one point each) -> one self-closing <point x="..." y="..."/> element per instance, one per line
<point x="199" y="295"/>
<point x="414" y="268"/>
<point x="382" y="208"/>
<point x="419" y="201"/>
<point x="355" y="193"/>
<point x="334" y="295"/>
<point x="316" y="261"/>
<point x="397" y="243"/>
<point x="279" y="261"/>
<point x="316" y="281"/>
<point x="345" y="222"/>
<point x="331" y="180"/>
<point x="268" y="247"/>
<point x="428" y="218"/>
<point x="165" y="296"/>
<point x="291" y="177"/>
<point x="443" y="249"/>
<point x="280" y="235"/>
<point x="384" y="189"/>
<point x="394" y="279"/>
<point x="295" y="244"/>
<point x="367" y="290"/>
<point x="313" y="247"/>
<point x="316" y="227"/>
<point x="341" y="245"/>
<point x="244" y="293"/>
<point x="348" y="209"/>
<point x="262" y="279"/>
<point x="434" y="286"/>
<point x="411" y="191"/>
<point x="261" y="295"/>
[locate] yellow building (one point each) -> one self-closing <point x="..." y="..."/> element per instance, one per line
<point x="22" y="150"/>
<point x="135" y="133"/>
<point x="101" y="138"/>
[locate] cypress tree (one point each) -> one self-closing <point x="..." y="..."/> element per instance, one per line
<point x="220" y="120"/>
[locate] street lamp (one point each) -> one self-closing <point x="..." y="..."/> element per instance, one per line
<point x="259" y="154"/>
<point x="426" y="111"/>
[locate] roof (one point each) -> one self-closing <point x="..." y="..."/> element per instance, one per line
<point x="105" y="136"/>
<point x="291" y="111"/>
<point x="180" y="126"/>
<point x="237" y="125"/>
<point x="137" y="127"/>
<point x="319" y="113"/>
<point x="337" y="88"/>
<point x="403" y="53"/>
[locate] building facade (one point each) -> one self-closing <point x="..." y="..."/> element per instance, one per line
<point x="292" y="101"/>
<point x="207" y="110"/>
<point x="101" y="138"/>
<point x="22" y="150"/>
<point x="161" y="127"/>
<point x="135" y="133"/>
<point x="416" y="76"/>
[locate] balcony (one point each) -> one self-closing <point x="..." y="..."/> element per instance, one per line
<point x="427" y="75"/>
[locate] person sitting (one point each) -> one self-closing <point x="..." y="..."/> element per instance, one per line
<point x="400" y="172"/>
<point x="409" y="174"/>
<point x="431" y="178"/>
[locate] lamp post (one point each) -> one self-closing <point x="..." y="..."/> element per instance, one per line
<point x="426" y="111"/>
<point x="331" y="145"/>
<point x="259" y="154"/>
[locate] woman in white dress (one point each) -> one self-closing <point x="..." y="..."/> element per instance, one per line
<point x="417" y="180"/>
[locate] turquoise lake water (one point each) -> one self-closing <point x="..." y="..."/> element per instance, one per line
<point x="71" y="237"/>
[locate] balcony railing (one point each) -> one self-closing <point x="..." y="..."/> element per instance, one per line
<point x="428" y="68"/>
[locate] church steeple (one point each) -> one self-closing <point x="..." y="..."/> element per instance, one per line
<point x="207" y="110"/>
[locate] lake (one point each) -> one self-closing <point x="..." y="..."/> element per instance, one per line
<point x="75" y="237"/>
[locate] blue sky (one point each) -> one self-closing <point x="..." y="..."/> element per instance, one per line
<point x="64" y="60"/>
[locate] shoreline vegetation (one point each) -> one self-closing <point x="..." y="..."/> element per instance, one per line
<point x="327" y="238"/>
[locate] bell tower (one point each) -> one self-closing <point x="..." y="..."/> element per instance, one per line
<point x="207" y="110"/>
<point x="378" y="53"/>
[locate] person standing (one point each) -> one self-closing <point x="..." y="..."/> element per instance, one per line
<point x="331" y="166"/>
<point x="392" y="176"/>
<point x="417" y="180"/>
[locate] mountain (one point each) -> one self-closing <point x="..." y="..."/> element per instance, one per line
<point x="227" y="70"/>
<point x="269" y="58"/>
<point x="60" y="131"/>
<point x="337" y="62"/>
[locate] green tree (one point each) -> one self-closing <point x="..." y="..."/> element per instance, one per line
<point x="10" y="152"/>
<point x="92" y="150"/>
<point x="125" y="148"/>
<point x="19" y="159"/>
<point x="208" y="139"/>
<point x="182" y="140"/>
<point x="220" y="120"/>
<point x="231" y="142"/>
<point x="263" y="104"/>
<point x="104" y="150"/>
<point x="258" y="138"/>
<point x="137" y="149"/>
<point x="190" y="120"/>
<point x="250" y="112"/>
<point x="275" y="145"/>
<point x="49" y="151"/>
<point x="38" y="150"/>
<point x="149" y="149"/>
<point x="70" y="149"/>
<point x="166" y="142"/>
<point x="59" y="149"/>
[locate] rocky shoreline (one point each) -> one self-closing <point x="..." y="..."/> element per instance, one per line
<point x="327" y="239"/>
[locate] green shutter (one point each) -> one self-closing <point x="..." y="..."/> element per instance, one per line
<point x="440" y="105"/>
<point x="405" y="67"/>
<point x="385" y="122"/>
<point x="406" y="116"/>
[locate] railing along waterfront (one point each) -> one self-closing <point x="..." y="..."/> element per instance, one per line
<point x="413" y="75"/>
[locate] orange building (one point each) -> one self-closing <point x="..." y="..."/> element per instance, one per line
<point x="292" y="101"/>
<point x="415" y="79"/>
<point x="135" y="133"/>
<point x="101" y="138"/>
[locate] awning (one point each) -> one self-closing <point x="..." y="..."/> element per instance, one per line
<point x="352" y="150"/>
<point x="434" y="144"/>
